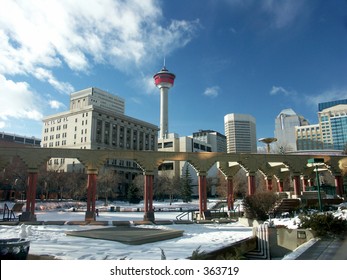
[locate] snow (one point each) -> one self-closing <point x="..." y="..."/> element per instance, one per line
<point x="52" y="240"/>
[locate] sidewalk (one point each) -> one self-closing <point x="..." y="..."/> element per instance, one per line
<point x="330" y="249"/>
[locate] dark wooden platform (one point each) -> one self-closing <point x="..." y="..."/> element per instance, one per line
<point x="128" y="235"/>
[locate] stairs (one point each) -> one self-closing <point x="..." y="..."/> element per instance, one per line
<point x="262" y="252"/>
<point x="286" y="205"/>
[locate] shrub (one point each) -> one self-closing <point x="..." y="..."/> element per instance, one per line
<point x="198" y="255"/>
<point x="323" y="224"/>
<point x="258" y="206"/>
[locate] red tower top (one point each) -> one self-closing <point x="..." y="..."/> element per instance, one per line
<point x="164" y="78"/>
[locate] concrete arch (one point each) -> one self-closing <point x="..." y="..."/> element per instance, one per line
<point x="269" y="164"/>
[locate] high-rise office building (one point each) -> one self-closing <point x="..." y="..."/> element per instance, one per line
<point x="285" y="130"/>
<point x="217" y="140"/>
<point x="329" y="133"/>
<point x="325" y="105"/>
<point x="333" y="125"/>
<point x="240" y="132"/>
<point x="96" y="120"/>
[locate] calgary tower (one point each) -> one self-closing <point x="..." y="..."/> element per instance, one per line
<point x="164" y="80"/>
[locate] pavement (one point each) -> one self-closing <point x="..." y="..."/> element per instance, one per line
<point x="326" y="249"/>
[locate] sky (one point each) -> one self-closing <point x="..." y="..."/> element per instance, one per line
<point x="229" y="56"/>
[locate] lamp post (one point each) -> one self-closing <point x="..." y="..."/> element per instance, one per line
<point x="315" y="162"/>
<point x="268" y="141"/>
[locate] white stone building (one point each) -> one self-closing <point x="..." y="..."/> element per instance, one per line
<point x="96" y="120"/>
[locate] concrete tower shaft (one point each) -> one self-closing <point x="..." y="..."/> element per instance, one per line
<point x="164" y="80"/>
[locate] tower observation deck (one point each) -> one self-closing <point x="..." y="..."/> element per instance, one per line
<point x="164" y="80"/>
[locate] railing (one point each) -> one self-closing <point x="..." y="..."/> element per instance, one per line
<point x="186" y="214"/>
<point x="8" y="214"/>
<point x="236" y="211"/>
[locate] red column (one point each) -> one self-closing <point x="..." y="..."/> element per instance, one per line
<point x="304" y="183"/>
<point x="91" y="192"/>
<point x="296" y="181"/>
<point x="202" y="193"/>
<point x="269" y="183"/>
<point x="311" y="182"/>
<point x="28" y="195"/>
<point x="230" y="193"/>
<point x="31" y="195"/>
<point x="148" y="197"/>
<point x="251" y="184"/>
<point x="339" y="185"/>
<point x="29" y="214"/>
<point x="93" y="178"/>
<point x="150" y="193"/>
<point x="280" y="185"/>
<point x="145" y="194"/>
<point x="91" y="195"/>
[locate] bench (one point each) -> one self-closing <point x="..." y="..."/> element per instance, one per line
<point x="10" y="214"/>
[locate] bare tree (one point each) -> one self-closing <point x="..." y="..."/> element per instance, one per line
<point x="15" y="176"/>
<point x="240" y="184"/>
<point x="52" y="181"/>
<point x="139" y="183"/>
<point x="221" y="190"/>
<point x="282" y="148"/>
<point x="77" y="185"/>
<point x="107" y="182"/>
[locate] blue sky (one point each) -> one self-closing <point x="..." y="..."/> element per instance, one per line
<point x="229" y="56"/>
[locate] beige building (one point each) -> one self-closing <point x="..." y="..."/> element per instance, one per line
<point x="329" y="133"/>
<point x="175" y="143"/>
<point x="240" y="132"/>
<point x="308" y="137"/>
<point x="96" y="120"/>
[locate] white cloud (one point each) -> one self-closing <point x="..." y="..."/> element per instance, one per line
<point x="280" y="90"/>
<point x="312" y="99"/>
<point x="47" y="76"/>
<point x="325" y="96"/>
<point x="146" y="82"/>
<point x="277" y="13"/>
<point x="136" y="100"/>
<point x="54" y="104"/>
<point x="212" y="91"/>
<point x="283" y="12"/>
<point x="17" y="101"/>
<point x="39" y="36"/>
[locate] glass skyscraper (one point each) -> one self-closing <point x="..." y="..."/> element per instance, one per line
<point x="325" y="105"/>
<point x="338" y="125"/>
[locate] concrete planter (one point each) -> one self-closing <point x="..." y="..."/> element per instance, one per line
<point x="249" y="222"/>
<point x="283" y="241"/>
<point x="14" y="249"/>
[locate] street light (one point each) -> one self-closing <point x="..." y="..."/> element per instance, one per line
<point x="268" y="141"/>
<point x="315" y="162"/>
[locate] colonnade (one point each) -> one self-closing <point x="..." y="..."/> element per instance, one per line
<point x="270" y="165"/>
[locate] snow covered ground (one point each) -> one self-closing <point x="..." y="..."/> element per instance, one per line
<point x="52" y="239"/>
